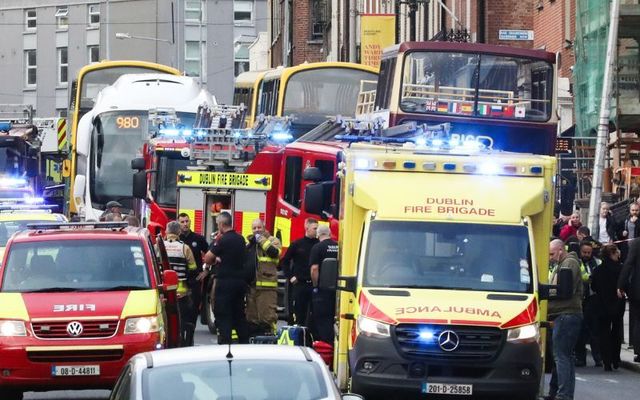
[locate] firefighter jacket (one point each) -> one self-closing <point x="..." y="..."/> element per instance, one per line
<point x="181" y="260"/>
<point x="264" y="258"/>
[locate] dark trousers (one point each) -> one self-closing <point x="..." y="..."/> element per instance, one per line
<point x="187" y="323"/>
<point x="610" y="327"/>
<point x="228" y="309"/>
<point x="566" y="328"/>
<point x="590" y="331"/>
<point x="302" y="303"/>
<point x="634" y="325"/>
<point x="324" y="310"/>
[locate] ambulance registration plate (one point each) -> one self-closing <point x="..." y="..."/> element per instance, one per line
<point x="75" y="370"/>
<point x="447" y="388"/>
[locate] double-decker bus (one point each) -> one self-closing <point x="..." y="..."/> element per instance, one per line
<point x="309" y="93"/>
<point x="90" y="80"/>
<point x="245" y="91"/>
<point x="504" y="93"/>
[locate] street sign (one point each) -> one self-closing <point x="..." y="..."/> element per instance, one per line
<point x="515" y="34"/>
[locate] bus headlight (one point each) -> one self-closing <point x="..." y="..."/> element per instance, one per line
<point x="9" y="328"/>
<point x="372" y="328"/>
<point x="142" y="325"/>
<point x="524" y="334"/>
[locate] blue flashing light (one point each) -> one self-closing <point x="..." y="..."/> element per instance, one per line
<point x="449" y="166"/>
<point x="187" y="132"/>
<point x="437" y="142"/>
<point x="489" y="168"/>
<point x="409" y="164"/>
<point x="536" y="169"/>
<point x="5" y="126"/>
<point x="281" y="136"/>
<point x="34" y="200"/>
<point x="421" y="141"/>
<point x="13" y="182"/>
<point x="170" y="132"/>
<point x="426" y="335"/>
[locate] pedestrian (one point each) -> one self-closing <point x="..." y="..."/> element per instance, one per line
<point x="296" y="267"/>
<point x="112" y="207"/>
<point x="199" y="246"/>
<point x="571" y="228"/>
<point x="231" y="284"/>
<point x="606" y="224"/>
<point x="591" y="309"/>
<point x="113" y="217"/>
<point x="630" y="229"/>
<point x="566" y="315"/>
<point x="132" y="220"/>
<point x="182" y="261"/>
<point x="263" y="254"/>
<point x="629" y="287"/>
<point x="604" y="283"/>
<point x="323" y="300"/>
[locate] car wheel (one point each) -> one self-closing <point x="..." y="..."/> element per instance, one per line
<point x="209" y="319"/>
<point x="10" y="394"/>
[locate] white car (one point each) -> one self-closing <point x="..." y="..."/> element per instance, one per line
<point x="239" y="372"/>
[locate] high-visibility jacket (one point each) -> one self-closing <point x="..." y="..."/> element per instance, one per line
<point x="181" y="260"/>
<point x="267" y="256"/>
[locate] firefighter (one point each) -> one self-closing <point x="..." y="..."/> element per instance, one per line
<point x="182" y="261"/>
<point x="263" y="250"/>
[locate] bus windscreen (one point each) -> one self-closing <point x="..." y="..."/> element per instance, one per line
<point x="478" y="85"/>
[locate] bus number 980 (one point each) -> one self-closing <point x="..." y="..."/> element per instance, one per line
<point x="128" y="122"/>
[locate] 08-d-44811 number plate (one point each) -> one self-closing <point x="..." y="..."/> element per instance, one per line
<point x="75" y="370"/>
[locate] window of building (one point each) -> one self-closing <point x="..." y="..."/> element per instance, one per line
<point x="62" y="18"/>
<point x="63" y="66"/>
<point x="93" y="15"/>
<point x="319" y="18"/>
<point x="192" y="11"/>
<point x="61" y="112"/>
<point x="30" y="68"/>
<point x="276" y="18"/>
<point x="30" y="19"/>
<point x="241" y="58"/>
<point x="192" y="58"/>
<point x="94" y="54"/>
<point x="292" y="181"/>
<point x="242" y="12"/>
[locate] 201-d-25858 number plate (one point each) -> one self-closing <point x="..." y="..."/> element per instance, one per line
<point x="447" y="388"/>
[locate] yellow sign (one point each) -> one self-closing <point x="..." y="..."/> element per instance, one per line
<point x="229" y="180"/>
<point x="376" y="32"/>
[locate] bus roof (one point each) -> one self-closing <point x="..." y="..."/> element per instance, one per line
<point x="249" y="78"/>
<point x="288" y="71"/>
<point x="469" y="48"/>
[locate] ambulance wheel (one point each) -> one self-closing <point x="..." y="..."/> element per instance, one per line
<point x="10" y="394"/>
<point x="209" y="319"/>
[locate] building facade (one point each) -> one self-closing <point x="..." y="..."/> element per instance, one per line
<point x="46" y="42"/>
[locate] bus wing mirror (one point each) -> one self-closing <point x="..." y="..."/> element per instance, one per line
<point x="328" y="274"/>
<point x="140" y="185"/>
<point x="137" y="163"/>
<point x="78" y="190"/>
<point x="312" y="174"/>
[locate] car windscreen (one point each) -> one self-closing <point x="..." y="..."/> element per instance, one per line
<point x="238" y="379"/>
<point x="460" y="256"/>
<point x="75" y="265"/>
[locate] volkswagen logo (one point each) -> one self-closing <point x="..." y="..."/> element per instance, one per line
<point x="448" y="341"/>
<point x="74" y="328"/>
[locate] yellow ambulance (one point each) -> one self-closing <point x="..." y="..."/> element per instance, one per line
<point x="441" y="272"/>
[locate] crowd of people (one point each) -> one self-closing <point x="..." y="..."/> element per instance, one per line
<point x="606" y="273"/>
<point x="245" y="278"/>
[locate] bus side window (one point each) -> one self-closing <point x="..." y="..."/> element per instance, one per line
<point x="385" y="83"/>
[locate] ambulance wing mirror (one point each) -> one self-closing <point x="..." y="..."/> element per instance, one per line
<point x="137" y="163"/>
<point x="329" y="277"/>
<point x="140" y="184"/>
<point x="312" y="174"/>
<point x="565" y="284"/>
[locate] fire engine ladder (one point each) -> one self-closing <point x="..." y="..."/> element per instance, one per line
<point x="16" y="113"/>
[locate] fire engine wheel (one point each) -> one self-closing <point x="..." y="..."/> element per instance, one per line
<point x="209" y="319"/>
<point x="10" y="394"/>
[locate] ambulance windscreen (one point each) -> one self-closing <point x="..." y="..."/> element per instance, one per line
<point x="433" y="255"/>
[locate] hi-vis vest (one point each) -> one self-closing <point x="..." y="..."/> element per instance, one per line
<point x="177" y="261"/>
<point x="266" y="274"/>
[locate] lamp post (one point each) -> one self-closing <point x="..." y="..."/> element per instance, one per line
<point x="125" y="35"/>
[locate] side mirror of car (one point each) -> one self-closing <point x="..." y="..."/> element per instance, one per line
<point x="169" y="280"/>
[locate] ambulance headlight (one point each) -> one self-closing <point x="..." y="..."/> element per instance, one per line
<point x="372" y="328"/>
<point x="10" y="328"/>
<point x="142" y="325"/>
<point x="524" y="334"/>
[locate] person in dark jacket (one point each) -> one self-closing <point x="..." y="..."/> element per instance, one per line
<point x="629" y="229"/>
<point x="603" y="282"/>
<point x="629" y="286"/>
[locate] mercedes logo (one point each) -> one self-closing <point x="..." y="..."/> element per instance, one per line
<point x="74" y="328"/>
<point x="448" y="340"/>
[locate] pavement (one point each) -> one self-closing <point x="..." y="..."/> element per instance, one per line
<point x="626" y="355"/>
